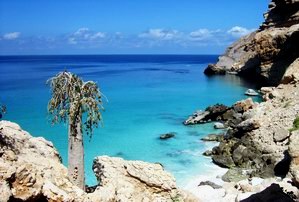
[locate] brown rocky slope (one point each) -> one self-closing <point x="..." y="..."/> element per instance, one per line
<point x="267" y="53"/>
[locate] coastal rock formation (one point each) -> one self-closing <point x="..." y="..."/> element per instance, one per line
<point x="31" y="170"/>
<point x="269" y="52"/>
<point x="260" y="142"/>
<point x="133" y="181"/>
<point x="294" y="153"/>
<point x="211" y="113"/>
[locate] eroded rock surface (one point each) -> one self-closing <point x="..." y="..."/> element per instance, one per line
<point x="31" y="169"/>
<point x="268" y="53"/>
<point x="133" y="181"/>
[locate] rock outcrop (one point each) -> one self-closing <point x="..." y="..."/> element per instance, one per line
<point x="31" y="170"/>
<point x="269" y="52"/>
<point x="258" y="135"/>
<point x="134" y="181"/>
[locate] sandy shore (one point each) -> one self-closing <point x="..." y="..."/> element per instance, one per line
<point x="213" y="174"/>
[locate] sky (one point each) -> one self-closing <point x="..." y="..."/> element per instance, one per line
<point x="43" y="27"/>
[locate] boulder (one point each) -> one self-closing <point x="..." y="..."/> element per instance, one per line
<point x="211" y="184"/>
<point x="251" y="92"/>
<point x="234" y="175"/>
<point x="122" y="180"/>
<point x="197" y="117"/>
<point x="292" y="73"/>
<point x="219" y="125"/>
<point x="208" y="153"/>
<point x="243" y="105"/>
<point x="211" y="113"/>
<point x="280" y="134"/>
<point x="248" y="125"/>
<point x="224" y="161"/>
<point x="216" y="111"/>
<point x="213" y="137"/>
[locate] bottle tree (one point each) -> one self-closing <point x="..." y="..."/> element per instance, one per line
<point x="79" y="104"/>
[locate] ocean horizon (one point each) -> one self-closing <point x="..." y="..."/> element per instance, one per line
<point x="147" y="96"/>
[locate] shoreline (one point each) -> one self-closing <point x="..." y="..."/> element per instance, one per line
<point x="206" y="192"/>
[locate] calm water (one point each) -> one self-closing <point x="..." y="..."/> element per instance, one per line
<point x="148" y="95"/>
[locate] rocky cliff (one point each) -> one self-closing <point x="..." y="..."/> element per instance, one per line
<point x="31" y="170"/>
<point x="267" y="53"/>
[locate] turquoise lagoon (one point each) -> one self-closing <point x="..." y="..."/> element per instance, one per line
<point x="148" y="95"/>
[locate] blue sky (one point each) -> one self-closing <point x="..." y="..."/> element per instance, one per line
<point x="125" y="26"/>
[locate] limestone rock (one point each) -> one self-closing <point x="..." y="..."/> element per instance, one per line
<point x="269" y="54"/>
<point x="213" y="69"/>
<point x="282" y="14"/>
<point x="197" y="117"/>
<point x="133" y="181"/>
<point x="294" y="153"/>
<point x="219" y="125"/>
<point x="292" y="73"/>
<point x="31" y="167"/>
<point x="213" y="137"/>
<point x="5" y="191"/>
<point x="251" y="92"/>
<point x="280" y="134"/>
<point x="211" y="113"/>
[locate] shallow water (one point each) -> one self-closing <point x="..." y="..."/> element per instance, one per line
<point x="147" y="96"/>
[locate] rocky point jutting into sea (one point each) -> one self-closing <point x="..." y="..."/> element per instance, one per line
<point x="260" y="147"/>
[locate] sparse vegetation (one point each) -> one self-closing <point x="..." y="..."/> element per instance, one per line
<point x="295" y="124"/>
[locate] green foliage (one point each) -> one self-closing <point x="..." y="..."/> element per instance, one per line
<point x="295" y="124"/>
<point x="72" y="97"/>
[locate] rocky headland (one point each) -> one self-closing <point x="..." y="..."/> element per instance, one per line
<point x="269" y="52"/>
<point x="261" y="139"/>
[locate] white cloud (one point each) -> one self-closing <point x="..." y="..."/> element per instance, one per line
<point x="11" y="36"/>
<point x="160" y="34"/>
<point x="202" y="34"/>
<point x="84" y="35"/>
<point x="238" y="31"/>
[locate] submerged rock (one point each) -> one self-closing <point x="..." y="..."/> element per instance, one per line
<point x="167" y="136"/>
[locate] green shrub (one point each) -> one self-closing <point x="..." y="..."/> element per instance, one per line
<point x="295" y="124"/>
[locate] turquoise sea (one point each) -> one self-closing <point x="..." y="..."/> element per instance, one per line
<point x="148" y="95"/>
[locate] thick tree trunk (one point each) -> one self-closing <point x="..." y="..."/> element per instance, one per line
<point x="76" y="154"/>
